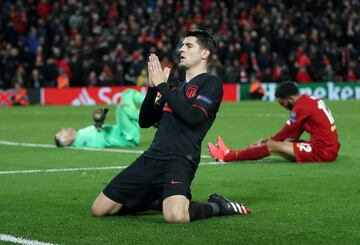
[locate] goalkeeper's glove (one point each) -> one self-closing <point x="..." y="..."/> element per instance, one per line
<point x="99" y="117"/>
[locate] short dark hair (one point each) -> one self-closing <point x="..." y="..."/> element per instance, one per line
<point x="205" y="40"/>
<point x="286" y="89"/>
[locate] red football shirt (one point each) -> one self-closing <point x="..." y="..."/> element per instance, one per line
<point x="310" y="114"/>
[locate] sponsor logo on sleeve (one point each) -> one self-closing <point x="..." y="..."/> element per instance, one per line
<point x="292" y="117"/>
<point x="204" y="99"/>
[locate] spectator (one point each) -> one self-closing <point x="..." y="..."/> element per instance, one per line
<point x="62" y="79"/>
<point x="92" y="80"/>
<point x="351" y="72"/>
<point x="35" y="78"/>
<point x="244" y="78"/>
<point x="50" y="72"/>
<point x="106" y="76"/>
<point x="19" y="76"/>
<point x="328" y="74"/>
<point x="41" y="33"/>
<point x="130" y="77"/>
<point x="232" y="72"/>
<point x="20" y="97"/>
<point x="142" y="78"/>
<point x="302" y="76"/>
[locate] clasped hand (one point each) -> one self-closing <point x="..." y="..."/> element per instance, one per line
<point x="157" y="75"/>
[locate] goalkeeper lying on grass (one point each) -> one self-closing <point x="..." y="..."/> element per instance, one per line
<point x="126" y="131"/>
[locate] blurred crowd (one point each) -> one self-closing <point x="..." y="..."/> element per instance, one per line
<point x="62" y="43"/>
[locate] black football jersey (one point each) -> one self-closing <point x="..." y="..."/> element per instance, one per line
<point x="183" y="114"/>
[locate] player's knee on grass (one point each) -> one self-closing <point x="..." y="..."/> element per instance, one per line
<point x="103" y="206"/>
<point x="176" y="209"/>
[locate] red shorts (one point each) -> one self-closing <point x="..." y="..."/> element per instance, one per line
<point x="309" y="152"/>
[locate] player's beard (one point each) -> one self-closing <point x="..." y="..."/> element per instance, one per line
<point x="290" y="106"/>
<point x="184" y="66"/>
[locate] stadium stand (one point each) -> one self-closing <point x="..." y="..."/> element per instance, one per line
<point x="48" y="43"/>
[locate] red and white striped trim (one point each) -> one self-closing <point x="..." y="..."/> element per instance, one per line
<point x="201" y="108"/>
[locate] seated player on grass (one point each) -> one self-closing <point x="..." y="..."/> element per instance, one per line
<point x="308" y="114"/>
<point x="125" y="133"/>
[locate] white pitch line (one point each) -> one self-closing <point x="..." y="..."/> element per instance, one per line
<point x="56" y="170"/>
<point x="11" y="143"/>
<point x="19" y="240"/>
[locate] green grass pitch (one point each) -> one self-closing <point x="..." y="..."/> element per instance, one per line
<point x="290" y="203"/>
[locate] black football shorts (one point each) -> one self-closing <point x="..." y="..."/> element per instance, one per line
<point x="147" y="179"/>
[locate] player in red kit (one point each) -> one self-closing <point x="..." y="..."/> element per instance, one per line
<point x="308" y="114"/>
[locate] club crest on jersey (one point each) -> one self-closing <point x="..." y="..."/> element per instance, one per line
<point x="191" y="91"/>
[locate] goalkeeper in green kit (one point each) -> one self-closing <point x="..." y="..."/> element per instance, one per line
<point x="125" y="133"/>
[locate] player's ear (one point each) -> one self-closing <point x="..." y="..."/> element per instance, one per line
<point x="205" y="53"/>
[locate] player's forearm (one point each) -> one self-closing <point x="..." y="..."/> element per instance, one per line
<point x="150" y="112"/>
<point x="288" y="132"/>
<point x="191" y="115"/>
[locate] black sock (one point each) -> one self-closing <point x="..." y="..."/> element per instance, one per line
<point x="156" y="205"/>
<point x="198" y="210"/>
